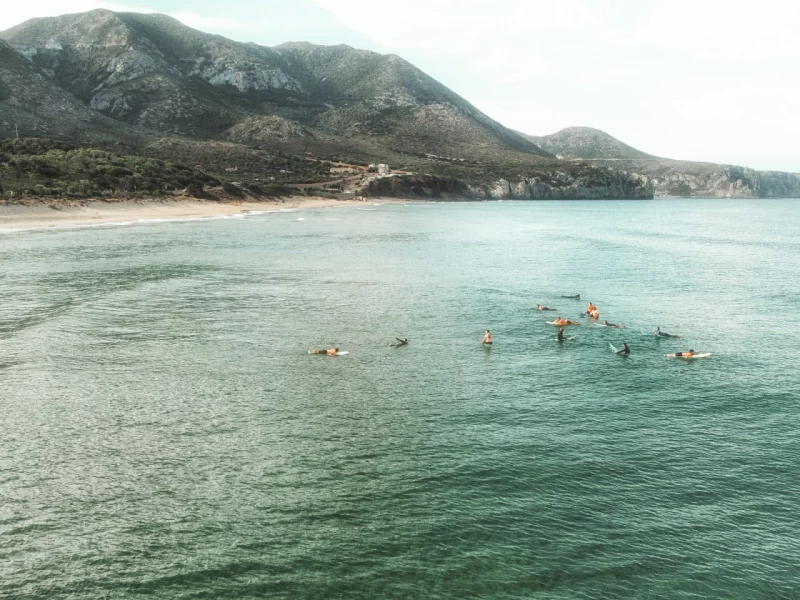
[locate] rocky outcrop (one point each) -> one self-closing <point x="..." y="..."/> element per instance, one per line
<point x="558" y="185"/>
<point x="563" y="185"/>
<point x="699" y="180"/>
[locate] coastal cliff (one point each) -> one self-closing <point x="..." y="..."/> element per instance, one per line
<point x="706" y="180"/>
<point x="600" y="184"/>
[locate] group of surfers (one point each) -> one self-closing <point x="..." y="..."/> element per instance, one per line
<point x="591" y="311"/>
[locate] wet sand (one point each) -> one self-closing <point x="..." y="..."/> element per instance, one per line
<point x="99" y="212"/>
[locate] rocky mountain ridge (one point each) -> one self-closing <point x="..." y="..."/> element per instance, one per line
<point x="585" y="143"/>
<point x="145" y="84"/>
<point x="152" y="71"/>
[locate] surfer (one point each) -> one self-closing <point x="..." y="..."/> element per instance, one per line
<point x="540" y="307"/>
<point x="560" y="321"/>
<point x="561" y="335"/>
<point x="688" y="354"/>
<point x="659" y="333"/>
<point x="607" y="324"/>
<point x="329" y="351"/>
<point x="625" y="349"/>
<point x="575" y="297"/>
<point x="487" y="338"/>
<point x="403" y="342"/>
<point x="589" y="310"/>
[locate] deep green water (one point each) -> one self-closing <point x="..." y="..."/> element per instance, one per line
<point x="164" y="434"/>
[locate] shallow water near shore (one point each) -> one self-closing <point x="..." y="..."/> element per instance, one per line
<point x="165" y="433"/>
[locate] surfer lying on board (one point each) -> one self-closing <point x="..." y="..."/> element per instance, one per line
<point x="540" y="307"/>
<point x="487" y="338"/>
<point x="560" y="321"/>
<point x="615" y="325"/>
<point x="575" y="297"/>
<point x="329" y="351"/>
<point x="659" y="333"/>
<point x="688" y="354"/>
<point x="403" y="342"/>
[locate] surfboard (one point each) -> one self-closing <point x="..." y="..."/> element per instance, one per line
<point x="702" y="355"/>
<point x="613" y="349"/>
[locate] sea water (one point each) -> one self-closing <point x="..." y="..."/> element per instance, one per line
<point x="164" y="433"/>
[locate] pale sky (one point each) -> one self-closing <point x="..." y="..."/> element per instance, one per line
<point x="713" y="80"/>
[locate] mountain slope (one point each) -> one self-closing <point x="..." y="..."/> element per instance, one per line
<point x="585" y="143"/>
<point x="153" y="71"/>
<point x="31" y="104"/>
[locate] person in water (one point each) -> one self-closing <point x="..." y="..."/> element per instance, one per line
<point x="625" y="349"/>
<point x="487" y="338"/>
<point x="329" y="351"/>
<point x="659" y="333"/>
<point x="561" y="335"/>
<point x="575" y="297"/>
<point x="607" y="324"/>
<point x="403" y="342"/>
<point x="688" y="354"/>
<point x="540" y="307"/>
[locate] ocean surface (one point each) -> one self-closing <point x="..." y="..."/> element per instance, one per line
<point x="164" y="433"/>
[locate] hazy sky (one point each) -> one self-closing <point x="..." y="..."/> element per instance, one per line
<point x="693" y="79"/>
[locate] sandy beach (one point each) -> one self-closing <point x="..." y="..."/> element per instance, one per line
<point x="99" y="212"/>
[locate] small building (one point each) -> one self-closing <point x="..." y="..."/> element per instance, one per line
<point x="383" y="169"/>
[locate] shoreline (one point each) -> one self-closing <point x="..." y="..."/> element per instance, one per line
<point x="17" y="217"/>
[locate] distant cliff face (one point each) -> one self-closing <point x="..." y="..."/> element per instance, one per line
<point x="600" y="184"/>
<point x="668" y="177"/>
<point x="707" y="180"/>
<point x="585" y="143"/>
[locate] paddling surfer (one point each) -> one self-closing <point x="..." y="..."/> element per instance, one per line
<point x="659" y="333"/>
<point x="329" y="351"/>
<point x="403" y="342"/>
<point x="540" y="307"/>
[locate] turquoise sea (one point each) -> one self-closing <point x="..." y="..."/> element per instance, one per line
<point x="164" y="434"/>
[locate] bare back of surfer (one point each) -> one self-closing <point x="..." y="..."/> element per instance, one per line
<point x="487" y="339"/>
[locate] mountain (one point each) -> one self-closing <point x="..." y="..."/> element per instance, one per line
<point x="152" y="71"/>
<point x="585" y="143"/>
<point x="33" y="105"/>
